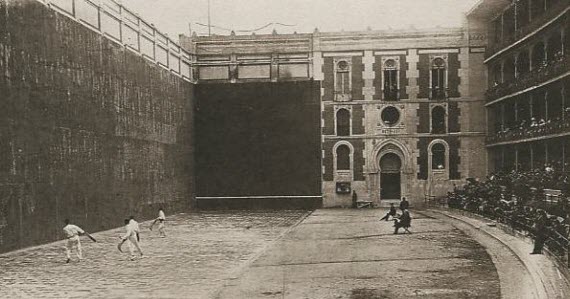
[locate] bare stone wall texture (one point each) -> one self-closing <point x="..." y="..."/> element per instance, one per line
<point x="88" y="129"/>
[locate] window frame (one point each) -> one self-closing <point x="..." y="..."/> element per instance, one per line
<point x="385" y="69"/>
<point x="432" y="68"/>
<point x="336" y="122"/>
<point x="438" y="172"/>
<point x="445" y="119"/>
<point x="346" y="92"/>
<point x="343" y="175"/>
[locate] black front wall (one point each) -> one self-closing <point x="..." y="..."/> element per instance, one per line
<point x="258" y="139"/>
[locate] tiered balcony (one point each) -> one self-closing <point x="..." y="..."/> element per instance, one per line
<point x="550" y="70"/>
<point x="535" y="24"/>
<point x="552" y="128"/>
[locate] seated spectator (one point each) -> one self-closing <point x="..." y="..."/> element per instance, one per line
<point x="533" y="123"/>
<point x="509" y="197"/>
<point x="392" y="213"/>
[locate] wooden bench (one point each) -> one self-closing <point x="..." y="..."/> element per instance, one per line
<point x="364" y="204"/>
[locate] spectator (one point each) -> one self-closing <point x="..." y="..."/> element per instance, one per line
<point x="539" y="226"/>
<point x="404" y="221"/>
<point x="392" y="213"/>
<point x="404" y="204"/>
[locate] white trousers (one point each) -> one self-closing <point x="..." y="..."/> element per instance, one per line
<point x="161" y="228"/>
<point x="134" y="245"/>
<point x="73" y="242"/>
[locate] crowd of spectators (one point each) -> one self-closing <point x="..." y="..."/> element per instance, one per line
<point x="518" y="199"/>
<point x="559" y="64"/>
<point x="532" y="128"/>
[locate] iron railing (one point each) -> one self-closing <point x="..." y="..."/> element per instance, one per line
<point x="520" y="221"/>
<point x="126" y="28"/>
<point x="528" y="28"/>
<point x="554" y="127"/>
<point x="548" y="71"/>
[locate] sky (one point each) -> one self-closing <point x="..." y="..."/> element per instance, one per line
<point x="179" y="16"/>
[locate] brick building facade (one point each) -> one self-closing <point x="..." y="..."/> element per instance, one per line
<point x="401" y="110"/>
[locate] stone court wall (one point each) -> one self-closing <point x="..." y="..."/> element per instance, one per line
<point x="89" y="130"/>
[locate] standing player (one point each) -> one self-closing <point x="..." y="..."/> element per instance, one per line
<point x="161" y="218"/>
<point x="131" y="236"/>
<point x="72" y="233"/>
<point x="135" y="226"/>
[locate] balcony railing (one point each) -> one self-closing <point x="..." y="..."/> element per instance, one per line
<point x="547" y="71"/>
<point x="116" y="22"/>
<point x="530" y="27"/>
<point x="526" y="132"/>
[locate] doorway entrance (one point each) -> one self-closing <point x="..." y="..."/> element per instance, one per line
<point x="390" y="176"/>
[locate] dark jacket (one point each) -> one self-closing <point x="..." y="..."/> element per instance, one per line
<point x="405" y="220"/>
<point x="404" y="205"/>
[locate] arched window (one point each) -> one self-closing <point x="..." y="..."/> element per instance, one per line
<point x="554" y="51"/>
<point x="522" y="13"/>
<point x="342" y="84"/>
<point x="538" y="56"/>
<point x="537" y="8"/>
<point x="438" y="77"/>
<point x="390" y="80"/>
<point x="509" y="70"/>
<point x="342" y="122"/>
<point x="497" y="74"/>
<point x="438" y="156"/>
<point x="554" y="101"/>
<point x="343" y="157"/>
<point x="523" y="63"/>
<point x="438" y="120"/>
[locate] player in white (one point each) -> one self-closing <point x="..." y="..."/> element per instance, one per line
<point x="130" y="236"/>
<point x="161" y="219"/>
<point x="135" y="226"/>
<point x="72" y="233"/>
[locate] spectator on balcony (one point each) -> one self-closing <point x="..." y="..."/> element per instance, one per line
<point x="548" y="168"/>
<point x="533" y="123"/>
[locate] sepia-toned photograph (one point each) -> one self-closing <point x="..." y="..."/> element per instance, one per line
<point x="285" y="149"/>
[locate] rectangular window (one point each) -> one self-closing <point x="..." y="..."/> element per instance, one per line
<point x="390" y="85"/>
<point x="342" y="82"/>
<point x="438" y="83"/>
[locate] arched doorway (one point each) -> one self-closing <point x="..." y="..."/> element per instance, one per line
<point x="390" y="176"/>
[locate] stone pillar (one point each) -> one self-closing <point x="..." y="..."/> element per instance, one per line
<point x="463" y="72"/>
<point x="274" y="67"/>
<point x="318" y="63"/>
<point x="368" y="75"/>
<point x="413" y="74"/>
